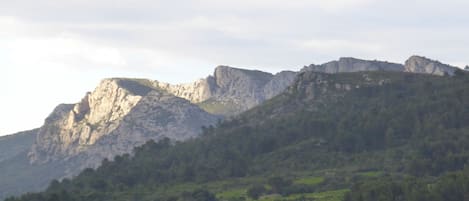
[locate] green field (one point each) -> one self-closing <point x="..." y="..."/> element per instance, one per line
<point x="310" y="180"/>
<point x="335" y="195"/>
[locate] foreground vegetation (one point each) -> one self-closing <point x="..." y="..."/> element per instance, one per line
<point x="397" y="139"/>
<point x="450" y="187"/>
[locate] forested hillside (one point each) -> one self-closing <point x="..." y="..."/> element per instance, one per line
<point x="353" y="136"/>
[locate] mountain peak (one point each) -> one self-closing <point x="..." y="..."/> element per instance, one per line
<point x="350" y="64"/>
<point x="350" y="59"/>
<point x="415" y="64"/>
<point x="422" y="59"/>
<point x="224" y="71"/>
<point x="135" y="86"/>
<point x="420" y="64"/>
<point x="122" y="112"/>
<point x="241" y="89"/>
<point x="414" y="57"/>
<point x="225" y="74"/>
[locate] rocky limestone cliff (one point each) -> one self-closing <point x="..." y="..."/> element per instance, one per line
<point x="349" y="64"/>
<point x="230" y="91"/>
<point x="242" y="88"/>
<point x="195" y="92"/>
<point x="71" y="128"/>
<point x="415" y="64"/>
<point x="279" y="83"/>
<point x="156" y="116"/>
<point x="111" y="115"/>
<point x="117" y="116"/>
<point x="121" y="114"/>
<point x="418" y="64"/>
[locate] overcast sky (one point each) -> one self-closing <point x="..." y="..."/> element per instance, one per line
<point x="53" y="51"/>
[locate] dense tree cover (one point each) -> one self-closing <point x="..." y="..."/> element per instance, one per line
<point x="412" y="124"/>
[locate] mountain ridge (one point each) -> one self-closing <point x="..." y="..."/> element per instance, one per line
<point x="238" y="88"/>
<point x="72" y="129"/>
<point x="414" y="64"/>
<point x="126" y="110"/>
<point x="340" y="128"/>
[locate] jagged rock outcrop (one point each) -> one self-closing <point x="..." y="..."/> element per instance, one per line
<point x="279" y="83"/>
<point x="156" y="116"/>
<point x="415" y="64"/>
<point x="419" y="64"/>
<point x="349" y="64"/>
<point x="117" y="116"/>
<point x="111" y="115"/>
<point x="230" y="91"/>
<point x="238" y="89"/>
<point x="195" y="92"/>
<point x="121" y="114"/>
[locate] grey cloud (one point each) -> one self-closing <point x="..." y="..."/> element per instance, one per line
<point x="262" y="33"/>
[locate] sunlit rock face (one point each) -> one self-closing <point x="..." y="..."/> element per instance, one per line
<point x="418" y="64"/>
<point x="415" y="64"/>
<point x="122" y="113"/>
<point x="348" y="64"/>
<point x="230" y="91"/>
<point x="117" y="116"/>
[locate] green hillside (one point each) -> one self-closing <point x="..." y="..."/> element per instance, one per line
<point x="328" y="137"/>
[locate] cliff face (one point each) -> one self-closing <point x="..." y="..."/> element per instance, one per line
<point x="236" y="90"/>
<point x="279" y="83"/>
<point x="121" y="114"/>
<point x="415" y="64"/>
<point x="156" y="116"/>
<point x="349" y="64"/>
<point x="117" y="116"/>
<point x="418" y="64"/>
<point x="195" y="92"/>
<point x="230" y="91"/>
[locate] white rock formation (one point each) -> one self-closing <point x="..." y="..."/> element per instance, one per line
<point x="418" y="64"/>
<point x="121" y="114"/>
<point x="117" y="116"/>
<point x="415" y="64"/>
<point x="231" y="91"/>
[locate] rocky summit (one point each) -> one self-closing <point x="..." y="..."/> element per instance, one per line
<point x="415" y="64"/>
<point x="117" y="116"/>
<point x="419" y="64"/>
<point x="349" y="64"/>
<point x="230" y="91"/>
<point x="123" y="113"/>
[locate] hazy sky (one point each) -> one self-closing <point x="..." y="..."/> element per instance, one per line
<point x="53" y="51"/>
